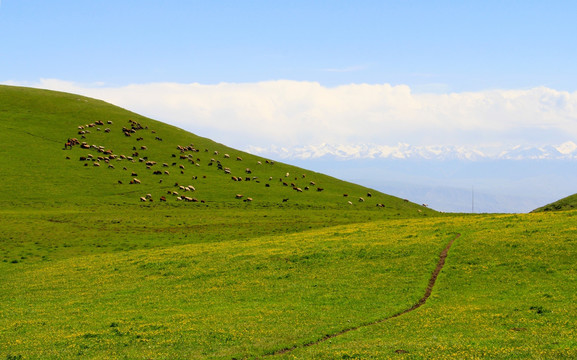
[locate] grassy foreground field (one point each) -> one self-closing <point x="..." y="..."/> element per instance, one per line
<point x="88" y="270"/>
<point x="507" y="291"/>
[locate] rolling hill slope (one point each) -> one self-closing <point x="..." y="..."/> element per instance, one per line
<point x="122" y="146"/>
<point x="567" y="203"/>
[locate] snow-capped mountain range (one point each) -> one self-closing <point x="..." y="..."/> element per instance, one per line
<point x="564" y="151"/>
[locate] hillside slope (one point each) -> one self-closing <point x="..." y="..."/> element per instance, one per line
<point x="130" y="159"/>
<point x="567" y="203"/>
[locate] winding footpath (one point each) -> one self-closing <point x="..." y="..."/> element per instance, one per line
<point x="418" y="304"/>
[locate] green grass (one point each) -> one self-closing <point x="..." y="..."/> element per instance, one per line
<point x="87" y="270"/>
<point x="507" y="292"/>
<point x="233" y="298"/>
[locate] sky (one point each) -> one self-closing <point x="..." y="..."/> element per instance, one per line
<point x="338" y="85"/>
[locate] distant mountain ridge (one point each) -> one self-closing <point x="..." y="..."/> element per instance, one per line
<point x="402" y="151"/>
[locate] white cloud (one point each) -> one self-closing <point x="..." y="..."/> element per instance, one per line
<point x="291" y="114"/>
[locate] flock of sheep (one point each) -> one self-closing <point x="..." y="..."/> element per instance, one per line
<point x="107" y="157"/>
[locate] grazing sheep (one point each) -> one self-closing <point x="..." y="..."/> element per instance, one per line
<point x="239" y="196"/>
<point x="320" y="189"/>
<point x="162" y="198"/>
<point x="349" y="202"/>
<point x="142" y="199"/>
<point x="361" y="199"/>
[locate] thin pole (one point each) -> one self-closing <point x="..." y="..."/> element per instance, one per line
<point x="473" y="199"/>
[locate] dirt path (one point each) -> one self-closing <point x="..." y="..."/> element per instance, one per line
<point x="419" y="303"/>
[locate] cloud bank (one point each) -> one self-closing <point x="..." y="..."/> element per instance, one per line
<point x="286" y="114"/>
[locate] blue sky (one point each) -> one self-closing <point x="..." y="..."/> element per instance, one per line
<point x="438" y="45"/>
<point x="333" y="80"/>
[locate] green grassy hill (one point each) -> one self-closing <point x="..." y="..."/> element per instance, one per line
<point x="567" y="203"/>
<point x="35" y="124"/>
